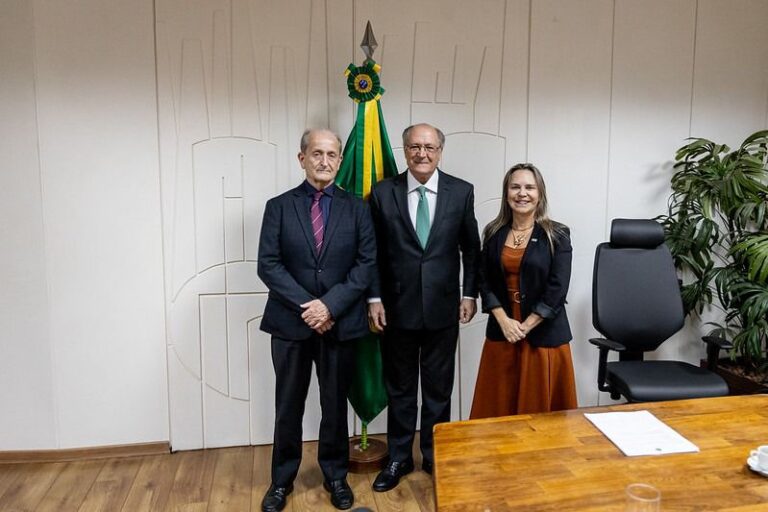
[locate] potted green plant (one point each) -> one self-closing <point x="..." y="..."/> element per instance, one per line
<point x="717" y="230"/>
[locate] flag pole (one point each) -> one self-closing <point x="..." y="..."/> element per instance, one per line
<point x="367" y="159"/>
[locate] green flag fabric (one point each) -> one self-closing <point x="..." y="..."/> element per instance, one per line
<point x="367" y="159"/>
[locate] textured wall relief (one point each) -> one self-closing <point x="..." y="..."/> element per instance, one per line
<point x="223" y="156"/>
<point x="238" y="81"/>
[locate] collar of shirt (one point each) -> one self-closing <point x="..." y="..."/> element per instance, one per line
<point x="431" y="183"/>
<point x="310" y="190"/>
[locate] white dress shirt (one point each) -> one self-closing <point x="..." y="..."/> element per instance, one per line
<point x="413" y="196"/>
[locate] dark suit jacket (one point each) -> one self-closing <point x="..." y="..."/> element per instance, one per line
<point x="420" y="287"/>
<point x="544" y="280"/>
<point x="295" y="274"/>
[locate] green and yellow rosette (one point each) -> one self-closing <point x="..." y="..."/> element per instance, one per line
<point x="368" y="154"/>
<point x="363" y="82"/>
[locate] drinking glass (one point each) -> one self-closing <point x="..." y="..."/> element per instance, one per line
<point x="643" y="498"/>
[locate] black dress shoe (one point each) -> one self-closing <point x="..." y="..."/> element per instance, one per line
<point x="274" y="500"/>
<point x="390" y="476"/>
<point x="341" y="495"/>
<point x="426" y="466"/>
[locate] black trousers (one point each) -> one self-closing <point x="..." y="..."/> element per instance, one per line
<point x="292" y="361"/>
<point x="405" y="353"/>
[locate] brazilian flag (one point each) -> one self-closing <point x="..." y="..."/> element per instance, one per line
<point x="367" y="159"/>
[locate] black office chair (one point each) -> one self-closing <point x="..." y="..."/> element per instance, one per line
<point x="636" y="306"/>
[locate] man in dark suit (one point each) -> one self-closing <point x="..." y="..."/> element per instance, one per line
<point x="317" y="256"/>
<point x="425" y="225"/>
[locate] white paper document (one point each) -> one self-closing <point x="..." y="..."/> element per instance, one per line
<point x="640" y="433"/>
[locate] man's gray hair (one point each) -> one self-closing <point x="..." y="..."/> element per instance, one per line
<point x="308" y="133"/>
<point x="440" y="134"/>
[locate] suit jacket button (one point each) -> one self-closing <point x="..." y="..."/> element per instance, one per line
<point x="319" y="270"/>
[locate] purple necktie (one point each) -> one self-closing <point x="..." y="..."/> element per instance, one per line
<point x="317" y="220"/>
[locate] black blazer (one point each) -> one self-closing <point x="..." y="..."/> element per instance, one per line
<point x="420" y="288"/>
<point x="544" y="280"/>
<point x="295" y="273"/>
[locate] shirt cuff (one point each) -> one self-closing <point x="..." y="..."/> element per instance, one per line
<point x="372" y="300"/>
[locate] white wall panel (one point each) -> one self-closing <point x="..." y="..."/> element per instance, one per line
<point x="213" y="340"/>
<point x="570" y="88"/>
<point x="234" y="242"/>
<point x="513" y="105"/>
<point x="226" y="420"/>
<point x="343" y="49"/>
<point x="650" y="102"/>
<point x="26" y="379"/>
<point x="730" y="70"/>
<point x="246" y="109"/>
<point x="318" y="74"/>
<point x="242" y="309"/>
<point x="457" y="67"/>
<point x="395" y="54"/>
<point x="194" y="127"/>
<point x="98" y="155"/>
<point x="222" y="80"/>
<point x="470" y="156"/>
<point x="245" y="316"/>
<point x="185" y="404"/>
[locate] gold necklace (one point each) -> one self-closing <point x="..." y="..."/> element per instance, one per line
<point x="518" y="240"/>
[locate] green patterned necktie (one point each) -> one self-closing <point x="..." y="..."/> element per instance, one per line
<point x="422" y="217"/>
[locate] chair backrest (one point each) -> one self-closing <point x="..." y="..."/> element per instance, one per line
<point x="635" y="293"/>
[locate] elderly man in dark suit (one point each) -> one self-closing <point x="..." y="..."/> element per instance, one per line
<point x="425" y="225"/>
<point x="317" y="256"/>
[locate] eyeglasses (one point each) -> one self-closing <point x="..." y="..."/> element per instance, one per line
<point x="415" y="149"/>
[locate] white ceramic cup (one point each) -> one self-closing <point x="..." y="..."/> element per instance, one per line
<point x="761" y="456"/>
<point x="643" y="498"/>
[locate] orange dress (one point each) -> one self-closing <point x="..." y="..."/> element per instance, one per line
<point x="516" y="378"/>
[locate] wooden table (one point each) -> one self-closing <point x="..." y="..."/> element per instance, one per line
<point x="560" y="461"/>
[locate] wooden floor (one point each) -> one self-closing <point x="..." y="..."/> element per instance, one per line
<point x="225" y="479"/>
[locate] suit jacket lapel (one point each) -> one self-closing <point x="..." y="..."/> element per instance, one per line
<point x="533" y="242"/>
<point x="338" y="210"/>
<point x="443" y="197"/>
<point x="401" y="200"/>
<point x="501" y="238"/>
<point x="302" y="216"/>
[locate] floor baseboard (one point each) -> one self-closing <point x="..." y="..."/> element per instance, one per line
<point x="95" y="452"/>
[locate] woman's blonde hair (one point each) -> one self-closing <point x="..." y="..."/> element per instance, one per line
<point x="504" y="218"/>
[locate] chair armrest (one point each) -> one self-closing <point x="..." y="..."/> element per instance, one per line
<point x="714" y="345"/>
<point x="609" y="344"/>
<point x="605" y="345"/>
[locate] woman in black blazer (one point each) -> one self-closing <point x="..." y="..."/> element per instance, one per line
<point x="526" y="365"/>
